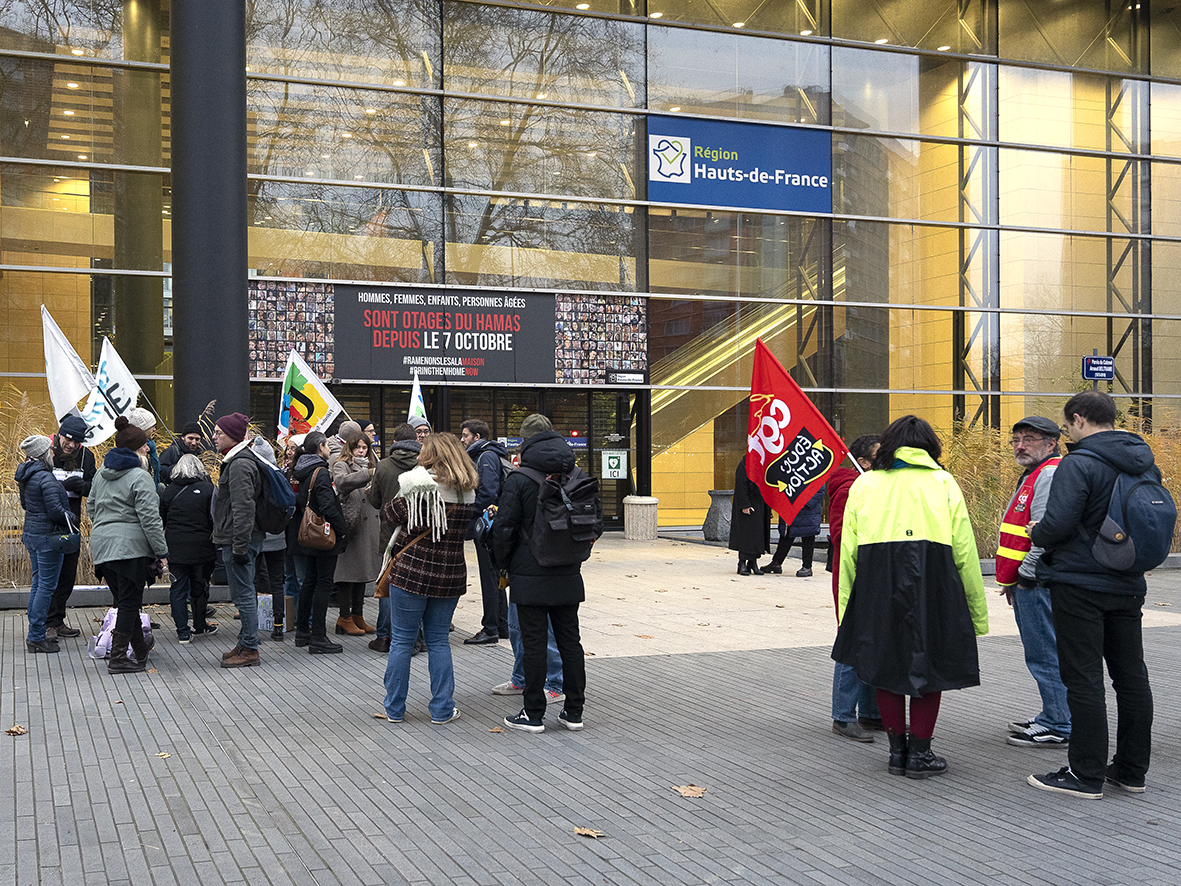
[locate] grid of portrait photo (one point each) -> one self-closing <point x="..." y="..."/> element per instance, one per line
<point x="286" y="314"/>
<point x="596" y="333"/>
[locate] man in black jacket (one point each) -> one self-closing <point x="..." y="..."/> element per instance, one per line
<point x="1097" y="611"/>
<point x="73" y="465"/>
<point x="487" y="455"/>
<point x="544" y="595"/>
<point x="189" y="441"/>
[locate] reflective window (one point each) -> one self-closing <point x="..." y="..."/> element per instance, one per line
<point x="941" y="25"/>
<point x="1061" y="272"/>
<point x="724" y="75"/>
<point x="305" y="229"/>
<point x="805" y="17"/>
<point x="1066" y="110"/>
<point x="530" y="54"/>
<point x="1083" y="33"/>
<point x="1166" y="202"/>
<point x="1047" y="190"/>
<point x="506" y="241"/>
<point x="536" y="149"/>
<point x="81" y="29"/>
<point x="904" y="93"/>
<point x="1165" y="33"/>
<point x="394" y="43"/>
<point x="1166" y="120"/>
<point x="329" y="132"/>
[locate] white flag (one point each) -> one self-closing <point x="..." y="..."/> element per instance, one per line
<point x="417" y="406"/>
<point x="68" y="376"/>
<point x="116" y="392"/>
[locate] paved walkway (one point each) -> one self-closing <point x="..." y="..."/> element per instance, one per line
<point x="280" y="774"/>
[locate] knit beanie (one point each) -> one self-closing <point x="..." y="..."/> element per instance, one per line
<point x="417" y="421"/>
<point x="234" y="426"/>
<point x="535" y="424"/>
<point x="191" y="428"/>
<point x="73" y="427"/>
<point x="141" y="418"/>
<point x="127" y="435"/>
<point x="35" y="446"/>
<point x="346" y="428"/>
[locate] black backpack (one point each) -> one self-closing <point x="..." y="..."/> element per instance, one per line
<point x="275" y="505"/>
<point x="1137" y="531"/>
<point x="568" y="519"/>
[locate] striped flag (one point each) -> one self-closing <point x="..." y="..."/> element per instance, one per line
<point x="307" y="404"/>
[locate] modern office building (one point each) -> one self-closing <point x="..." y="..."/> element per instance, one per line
<point x="595" y="209"/>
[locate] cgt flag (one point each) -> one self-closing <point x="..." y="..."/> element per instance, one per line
<point x="306" y="405"/>
<point x="790" y="448"/>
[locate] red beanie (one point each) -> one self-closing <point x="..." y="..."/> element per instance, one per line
<point x="234" y="426"/>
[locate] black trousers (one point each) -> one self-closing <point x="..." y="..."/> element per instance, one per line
<point x="350" y="597"/>
<point x="126" y="579"/>
<point x="269" y="577"/>
<point x="1093" y="627"/>
<point x="534" y="639"/>
<point x="61" y="594"/>
<point x="492" y="595"/>
<point x="807" y="547"/>
<point x="313" y="596"/>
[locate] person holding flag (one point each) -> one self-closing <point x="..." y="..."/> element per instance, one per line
<point x="911" y="594"/>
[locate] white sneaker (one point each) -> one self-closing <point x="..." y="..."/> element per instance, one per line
<point x="509" y="688"/>
<point x="454" y="716"/>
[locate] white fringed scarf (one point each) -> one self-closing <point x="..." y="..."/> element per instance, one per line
<point x="426" y="501"/>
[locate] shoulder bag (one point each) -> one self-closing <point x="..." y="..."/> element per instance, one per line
<point x="383" y="582"/>
<point x="315" y="531"/>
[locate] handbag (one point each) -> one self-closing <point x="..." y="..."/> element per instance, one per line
<point x="315" y="531"/>
<point x="383" y="581"/>
<point x="69" y="542"/>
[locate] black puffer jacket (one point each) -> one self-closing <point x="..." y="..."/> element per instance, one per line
<point x="185" y="508"/>
<point x="1079" y="497"/>
<point x="44" y="499"/>
<point x="531" y="584"/>
<point x="324" y="503"/>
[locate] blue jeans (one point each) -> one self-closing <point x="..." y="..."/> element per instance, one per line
<point x="407" y="611"/>
<point x="850" y="697"/>
<point x="383" y="618"/>
<point x="293" y="568"/>
<point x="241" y="580"/>
<point x="1035" y="624"/>
<point x="46" y="568"/>
<point x="553" y="658"/>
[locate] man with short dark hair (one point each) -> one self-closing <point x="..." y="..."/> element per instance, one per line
<point x="1097" y="611"/>
<point x="1035" y="448"/>
<point x="73" y="465"/>
<point x="487" y="455"/>
<point x="190" y="441"/>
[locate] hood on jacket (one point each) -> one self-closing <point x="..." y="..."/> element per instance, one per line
<point x="916" y="458"/>
<point x="426" y="501"/>
<point x="481" y="446"/>
<point x="1124" y="449"/>
<point x="548" y="452"/>
<point x="26" y="469"/>
<point x="306" y="465"/>
<point x="118" y="460"/>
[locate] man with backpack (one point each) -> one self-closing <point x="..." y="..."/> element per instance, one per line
<point x="544" y="557"/>
<point x="491" y="465"/>
<point x="1097" y="609"/>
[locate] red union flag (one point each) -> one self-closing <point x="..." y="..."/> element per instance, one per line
<point x="790" y="448"/>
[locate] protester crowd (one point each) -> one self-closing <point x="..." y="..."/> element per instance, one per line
<point x="906" y="576"/>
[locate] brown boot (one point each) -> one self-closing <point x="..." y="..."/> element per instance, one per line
<point x="359" y="621"/>
<point x="346" y="626"/>
<point x="246" y="658"/>
<point x="380" y="644"/>
<point x="119" y="663"/>
<point x="141" y="645"/>
<point x="228" y="655"/>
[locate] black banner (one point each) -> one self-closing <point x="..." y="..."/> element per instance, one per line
<point x="388" y="333"/>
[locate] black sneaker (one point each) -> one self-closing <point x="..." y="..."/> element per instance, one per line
<point x="210" y="628"/>
<point x="184" y="638"/>
<point x="521" y="721"/>
<point x="1064" y="782"/>
<point x="573" y="722"/>
<point x="1131" y="785"/>
<point x="805" y="572"/>
<point x="1038" y="736"/>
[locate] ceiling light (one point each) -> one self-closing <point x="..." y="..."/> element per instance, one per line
<point x="371" y="110"/>
<point x="68" y="113"/>
<point x="81" y="156"/>
<point x="582" y="6"/>
<point x="473" y="144"/>
<point x="399" y="82"/>
<point x="323" y="156"/>
<point x="71" y="86"/>
<point x="309" y="172"/>
<point x="675" y="109"/>
<point x="543" y="95"/>
<point x="55" y="199"/>
<point x="807" y="32"/>
<point x="656" y="15"/>
<point x="267" y="217"/>
<point x="944" y="48"/>
<point x="346" y="135"/>
<point x="504" y="122"/>
<point x="593" y="154"/>
<point x="76" y="51"/>
<point x="65" y="136"/>
<point x="740" y="24"/>
<point x="357" y="177"/>
<point x="882" y="40"/>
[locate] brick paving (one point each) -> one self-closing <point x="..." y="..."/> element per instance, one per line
<point x="280" y="774"/>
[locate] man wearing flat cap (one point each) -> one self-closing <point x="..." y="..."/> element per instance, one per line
<point x="1035" y="448"/>
<point x="73" y="465"/>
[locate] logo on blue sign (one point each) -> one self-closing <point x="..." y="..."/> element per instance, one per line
<point x="670" y="158"/>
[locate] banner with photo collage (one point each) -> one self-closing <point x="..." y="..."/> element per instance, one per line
<point x="598" y="336"/>
<point x="288" y="315"/>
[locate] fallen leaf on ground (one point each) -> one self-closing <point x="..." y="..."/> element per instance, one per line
<point x="16" y="730"/>
<point x="1164" y="604"/>
<point x="496" y="729"/>
<point x="778" y="605"/>
<point x="152" y="671"/>
<point x="645" y="636"/>
<point x="689" y="790"/>
<point x="588" y="832"/>
<point x="704" y="624"/>
<point x="707" y="598"/>
<point x="616" y="624"/>
<point x="380" y="717"/>
<point x="97" y="621"/>
<point x="118" y="701"/>
<point x="587" y="654"/>
<point x="163" y="755"/>
<point x="662" y="590"/>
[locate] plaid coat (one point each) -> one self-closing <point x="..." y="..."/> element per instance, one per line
<point x="430" y="568"/>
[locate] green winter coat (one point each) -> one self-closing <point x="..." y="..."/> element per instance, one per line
<point x="911" y="594"/>
<point x="124" y="511"/>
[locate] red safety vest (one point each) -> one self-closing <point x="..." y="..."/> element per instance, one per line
<point x="1015" y="543"/>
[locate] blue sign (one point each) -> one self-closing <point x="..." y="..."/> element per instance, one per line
<point x="717" y="163"/>
<point x="1099" y="368"/>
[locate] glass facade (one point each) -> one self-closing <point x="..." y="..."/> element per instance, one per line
<point x="1005" y="196"/>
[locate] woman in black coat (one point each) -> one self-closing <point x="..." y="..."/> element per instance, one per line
<point x="317" y="492"/>
<point x="186" y="509"/>
<point x="750" y="525"/>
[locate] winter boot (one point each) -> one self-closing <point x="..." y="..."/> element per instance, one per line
<point x="345" y="625"/>
<point x="898" y="749"/>
<point x="921" y="761"/>
<point x="119" y="663"/>
<point x="141" y="645"/>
